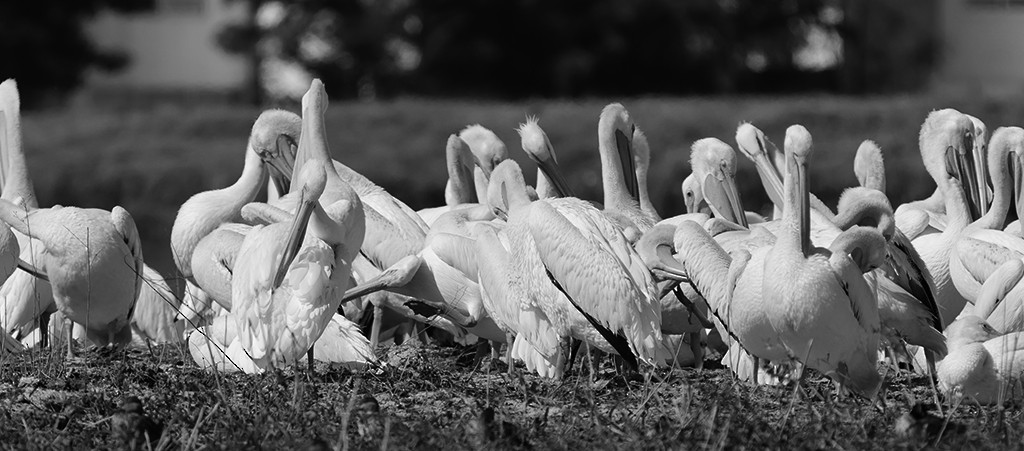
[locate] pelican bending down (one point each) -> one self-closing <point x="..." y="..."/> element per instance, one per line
<point x="818" y="302"/>
<point x="93" y="260"/>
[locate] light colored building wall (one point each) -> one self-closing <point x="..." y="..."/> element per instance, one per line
<point x="172" y="46"/>
<point x="982" y="46"/>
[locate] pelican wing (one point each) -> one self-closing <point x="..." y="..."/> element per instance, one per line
<point x="155" y="310"/>
<point x="598" y="269"/>
<point x="911" y="221"/>
<point x="456" y="251"/>
<point x="265" y="214"/>
<point x="1007" y="353"/>
<point x="981" y="257"/>
<point x="905" y="267"/>
<point x="392" y="209"/>
<point x="385" y="243"/>
<point x="862" y="299"/>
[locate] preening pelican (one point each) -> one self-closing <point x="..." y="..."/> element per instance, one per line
<point x="550" y="183"/>
<point x="817" y="301"/>
<point x="946" y="140"/>
<point x="983" y="246"/>
<point x="488" y="150"/>
<point x="273" y="134"/>
<point x="982" y="364"/>
<point x="290" y="278"/>
<point x="981" y="170"/>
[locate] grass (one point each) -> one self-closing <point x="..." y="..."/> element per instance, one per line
<point x="150" y="157"/>
<point x="431" y="397"/>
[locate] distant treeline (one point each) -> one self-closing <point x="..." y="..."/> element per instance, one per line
<point x="524" y="48"/>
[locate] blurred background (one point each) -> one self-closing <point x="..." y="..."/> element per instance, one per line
<point x="143" y="103"/>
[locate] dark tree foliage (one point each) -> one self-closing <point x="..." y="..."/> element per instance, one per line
<point x="45" y="47"/>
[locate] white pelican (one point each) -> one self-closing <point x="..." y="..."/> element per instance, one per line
<point x="817" y="300"/>
<point x="93" y="260"/>
<point x="642" y="163"/>
<point x="621" y="188"/>
<point x="946" y="140"/>
<point x="960" y="165"/>
<point x="982" y="364"/>
<point x="488" y="150"/>
<point x="584" y="278"/>
<point x="289" y="278"/>
<point x="459" y="188"/>
<point x="1001" y="299"/>
<point x="273" y="133"/>
<point x="983" y="246"/>
<point x="1017" y="169"/>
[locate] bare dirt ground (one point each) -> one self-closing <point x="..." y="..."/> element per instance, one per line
<point x="431" y="397"/>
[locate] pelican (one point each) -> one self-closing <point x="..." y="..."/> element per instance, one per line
<point x="488" y="150"/>
<point x="642" y="163"/>
<point x="982" y="364"/>
<point x="584" y="278"/>
<point x="274" y="133"/>
<point x="984" y="245"/>
<point x="290" y="278"/>
<point x="933" y="216"/>
<point x="93" y="260"/>
<point x="459" y="189"/>
<point x="817" y="300"/>
<point x="1001" y="299"/>
<point x="1017" y="169"/>
<point x="615" y="131"/>
<point x="946" y="140"/>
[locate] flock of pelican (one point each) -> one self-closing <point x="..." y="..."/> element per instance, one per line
<point x="935" y="284"/>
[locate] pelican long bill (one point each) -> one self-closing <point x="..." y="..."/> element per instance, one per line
<point x="724" y="200"/>
<point x="295" y="236"/>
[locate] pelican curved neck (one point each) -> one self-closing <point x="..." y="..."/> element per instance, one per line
<point x="460" y="188"/>
<point x="866" y="213"/>
<point x="958" y="215"/>
<point x="13" y="170"/>
<point x="616" y="154"/>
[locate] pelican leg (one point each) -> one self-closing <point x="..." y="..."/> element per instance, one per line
<point x="932" y="375"/>
<point x="309" y="360"/>
<point x="508" y="352"/>
<point x="697" y="348"/>
<point x="573" y="348"/>
<point x="378" y="316"/>
<point x="495" y="351"/>
<point x="71" y="339"/>
<point x="757" y="367"/>
<point x="44" y="330"/>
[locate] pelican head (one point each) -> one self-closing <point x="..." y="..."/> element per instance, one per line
<point x="756" y="146"/>
<point x="947" y="146"/>
<point x="275" y="138"/>
<point x="537" y="146"/>
<point x="864" y="245"/>
<point x="969" y="329"/>
<point x="507" y="189"/>
<point x="860" y="206"/>
<point x="655" y="247"/>
<point x="714" y="164"/>
<point x="692" y="195"/>
<point x="314" y="178"/>
<point x="487" y="148"/>
<point x="615" y="130"/>
<point x="869" y="166"/>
